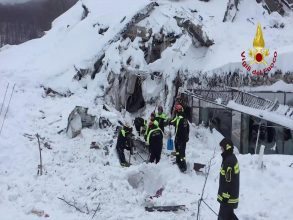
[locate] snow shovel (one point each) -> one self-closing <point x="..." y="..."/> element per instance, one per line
<point x="170" y="143"/>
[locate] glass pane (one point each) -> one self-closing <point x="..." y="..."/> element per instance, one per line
<point x="288" y="141"/>
<point x="289" y="99"/>
<point x="195" y="116"/>
<point x="244" y="147"/>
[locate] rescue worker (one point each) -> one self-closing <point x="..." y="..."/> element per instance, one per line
<point x="147" y="130"/>
<point x="228" y="193"/>
<point x="182" y="100"/>
<point x="162" y="118"/>
<point x="140" y="125"/>
<point x="124" y="141"/>
<point x="155" y="141"/>
<point x="181" y="136"/>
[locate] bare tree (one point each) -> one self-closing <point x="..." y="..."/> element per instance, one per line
<point x="22" y="22"/>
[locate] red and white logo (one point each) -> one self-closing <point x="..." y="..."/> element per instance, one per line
<point x="258" y="64"/>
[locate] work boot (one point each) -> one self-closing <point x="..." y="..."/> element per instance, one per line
<point x="182" y="165"/>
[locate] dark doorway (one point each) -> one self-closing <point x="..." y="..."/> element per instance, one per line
<point x="220" y="119"/>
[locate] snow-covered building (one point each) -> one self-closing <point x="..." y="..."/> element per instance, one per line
<point x="260" y="117"/>
<point x="134" y="55"/>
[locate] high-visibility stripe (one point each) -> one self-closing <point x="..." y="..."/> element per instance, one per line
<point x="156" y="123"/>
<point x="222" y="171"/>
<point x="232" y="201"/>
<point x="228" y="174"/>
<point x="236" y="168"/>
<point x="228" y="146"/>
<point x="123" y="132"/>
<point x="149" y="134"/>
<point x="174" y="119"/>
<point x="177" y="123"/>
<point x="177" y="120"/>
<point x="226" y="195"/>
<point x="162" y="116"/>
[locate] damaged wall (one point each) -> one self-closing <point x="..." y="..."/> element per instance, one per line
<point x="134" y="59"/>
<point x="140" y="15"/>
<point x="195" y="31"/>
<point x="125" y="91"/>
<point x="231" y="11"/>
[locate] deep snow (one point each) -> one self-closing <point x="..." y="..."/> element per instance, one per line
<point x="90" y="176"/>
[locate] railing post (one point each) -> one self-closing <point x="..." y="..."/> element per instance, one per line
<point x="285" y="98"/>
<point x="191" y="109"/>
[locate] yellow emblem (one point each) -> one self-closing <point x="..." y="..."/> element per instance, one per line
<point x="258" y="53"/>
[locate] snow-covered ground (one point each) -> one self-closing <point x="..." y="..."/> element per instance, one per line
<point x="93" y="177"/>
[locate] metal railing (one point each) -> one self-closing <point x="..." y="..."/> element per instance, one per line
<point x="221" y="96"/>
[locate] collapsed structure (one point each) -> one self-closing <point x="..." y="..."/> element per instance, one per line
<point x="249" y="120"/>
<point x="166" y="46"/>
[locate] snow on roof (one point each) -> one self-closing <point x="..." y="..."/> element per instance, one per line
<point x="272" y="116"/>
<point x="279" y="86"/>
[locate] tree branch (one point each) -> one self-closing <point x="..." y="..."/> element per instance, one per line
<point x="72" y="205"/>
<point x="98" y="208"/>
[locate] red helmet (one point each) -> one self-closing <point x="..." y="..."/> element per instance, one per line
<point x="178" y="108"/>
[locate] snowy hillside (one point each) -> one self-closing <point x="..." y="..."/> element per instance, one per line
<point x="93" y="178"/>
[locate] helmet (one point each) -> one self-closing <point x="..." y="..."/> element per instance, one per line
<point x="227" y="144"/>
<point x="127" y="127"/>
<point x="178" y="108"/>
<point x="160" y="108"/>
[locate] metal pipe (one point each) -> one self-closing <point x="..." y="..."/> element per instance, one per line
<point x="256" y="144"/>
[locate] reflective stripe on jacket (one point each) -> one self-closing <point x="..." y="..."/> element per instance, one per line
<point x="228" y="192"/>
<point x="150" y="133"/>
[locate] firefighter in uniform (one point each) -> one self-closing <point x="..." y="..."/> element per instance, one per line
<point x="161" y="117"/>
<point x="181" y="136"/>
<point x="124" y="141"/>
<point x="228" y="194"/>
<point x="147" y="129"/>
<point x="155" y="141"/>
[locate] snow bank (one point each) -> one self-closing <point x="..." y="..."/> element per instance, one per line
<point x="74" y="171"/>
